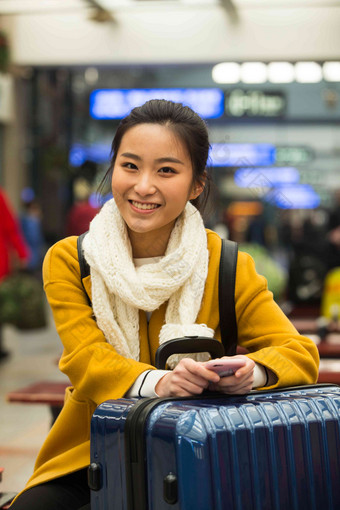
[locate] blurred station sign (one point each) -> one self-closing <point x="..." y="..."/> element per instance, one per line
<point x="293" y="155"/>
<point x="254" y="103"/>
<point x="242" y="154"/>
<point x="117" y="103"/>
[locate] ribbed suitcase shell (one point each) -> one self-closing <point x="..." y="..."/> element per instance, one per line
<point x="263" y="451"/>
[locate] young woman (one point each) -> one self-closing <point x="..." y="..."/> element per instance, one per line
<point x="154" y="276"/>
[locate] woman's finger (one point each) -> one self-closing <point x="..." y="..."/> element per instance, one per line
<point x="188" y="381"/>
<point x="191" y="368"/>
<point x="234" y="384"/>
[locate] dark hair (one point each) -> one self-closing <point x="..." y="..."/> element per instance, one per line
<point x="186" y="125"/>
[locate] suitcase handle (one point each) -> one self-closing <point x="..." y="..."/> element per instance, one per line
<point x="187" y="345"/>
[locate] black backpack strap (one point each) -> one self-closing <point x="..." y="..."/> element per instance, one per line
<point x="226" y="296"/>
<point x="84" y="267"/>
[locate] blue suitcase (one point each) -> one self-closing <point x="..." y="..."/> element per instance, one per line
<point x="275" y="450"/>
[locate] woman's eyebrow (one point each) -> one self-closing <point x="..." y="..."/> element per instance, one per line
<point x="169" y="159"/>
<point x="166" y="159"/>
<point x="131" y="155"/>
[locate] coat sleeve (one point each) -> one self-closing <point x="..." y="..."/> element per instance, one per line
<point x="268" y="335"/>
<point x="93" y="365"/>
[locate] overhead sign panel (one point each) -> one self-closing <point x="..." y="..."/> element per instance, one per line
<point x="293" y="155"/>
<point x="242" y="154"/>
<point x="97" y="152"/>
<point x="117" y="103"/>
<point x="255" y="103"/>
<point x="295" y="196"/>
<point x="266" y="176"/>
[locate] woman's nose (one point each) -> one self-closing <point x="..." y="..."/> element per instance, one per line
<point x="145" y="185"/>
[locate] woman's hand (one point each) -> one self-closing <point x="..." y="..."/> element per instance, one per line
<point x="239" y="383"/>
<point x="188" y="378"/>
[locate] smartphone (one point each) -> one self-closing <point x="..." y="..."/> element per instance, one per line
<point x="225" y="367"/>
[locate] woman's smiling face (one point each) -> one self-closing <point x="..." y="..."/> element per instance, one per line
<point x="152" y="180"/>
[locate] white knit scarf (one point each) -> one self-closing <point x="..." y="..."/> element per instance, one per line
<point x="119" y="289"/>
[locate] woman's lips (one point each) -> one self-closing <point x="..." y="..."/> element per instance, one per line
<point x="144" y="206"/>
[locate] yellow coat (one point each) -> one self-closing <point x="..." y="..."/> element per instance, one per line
<point x="97" y="373"/>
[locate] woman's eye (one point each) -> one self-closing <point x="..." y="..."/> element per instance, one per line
<point x="167" y="170"/>
<point x="130" y="166"/>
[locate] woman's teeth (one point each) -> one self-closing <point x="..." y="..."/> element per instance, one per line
<point x="144" y="206"/>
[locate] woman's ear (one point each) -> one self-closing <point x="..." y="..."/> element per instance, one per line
<point x="198" y="187"/>
<point x="196" y="191"/>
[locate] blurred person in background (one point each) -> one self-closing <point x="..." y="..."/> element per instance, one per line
<point x="82" y="211"/>
<point x="30" y="221"/>
<point x="11" y="241"/>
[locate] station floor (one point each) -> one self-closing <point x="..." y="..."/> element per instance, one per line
<point x="23" y="427"/>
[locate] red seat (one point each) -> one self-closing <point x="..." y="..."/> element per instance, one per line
<point x="43" y="392"/>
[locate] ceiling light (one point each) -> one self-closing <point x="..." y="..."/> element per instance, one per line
<point x="308" y="72"/>
<point x="226" y="72"/>
<point x="331" y="71"/>
<point x="254" y="72"/>
<point x="280" y="72"/>
<point x="91" y="75"/>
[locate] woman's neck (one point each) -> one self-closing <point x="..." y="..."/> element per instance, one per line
<point x="150" y="244"/>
